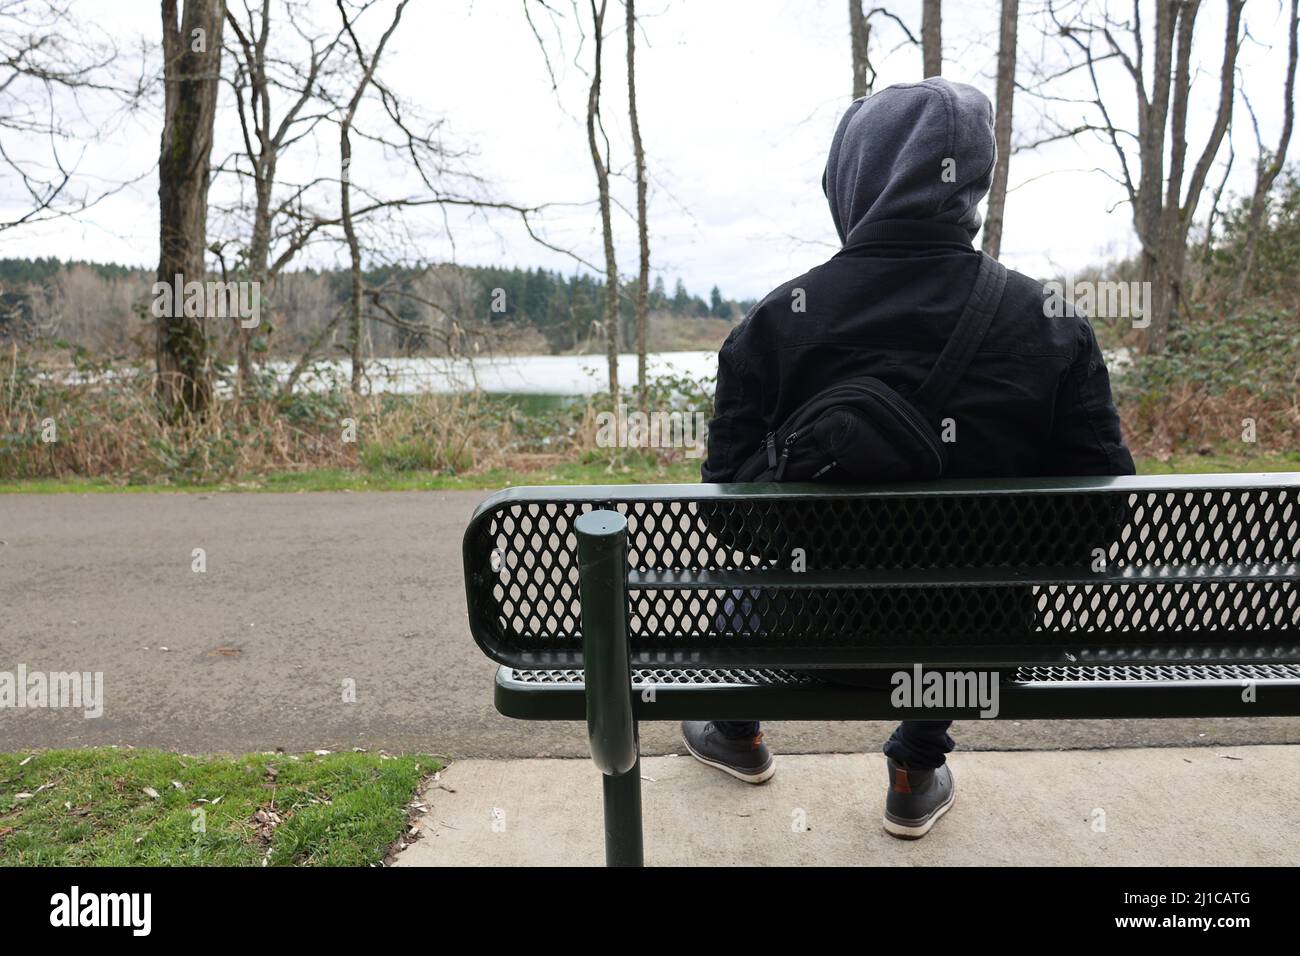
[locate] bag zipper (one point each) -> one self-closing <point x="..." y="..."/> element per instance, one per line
<point x="785" y="454"/>
<point x="926" y="439"/>
<point x="777" y="462"/>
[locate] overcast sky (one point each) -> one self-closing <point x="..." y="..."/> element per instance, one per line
<point x="738" y="101"/>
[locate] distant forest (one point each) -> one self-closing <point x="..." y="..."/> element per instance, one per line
<point x="103" y="306"/>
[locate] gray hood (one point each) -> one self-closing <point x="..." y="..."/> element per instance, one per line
<point x="888" y="157"/>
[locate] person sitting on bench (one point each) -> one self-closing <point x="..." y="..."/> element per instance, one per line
<point x="907" y="169"/>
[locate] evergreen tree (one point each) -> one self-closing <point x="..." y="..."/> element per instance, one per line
<point x="681" y="298"/>
<point x="658" y="297"/>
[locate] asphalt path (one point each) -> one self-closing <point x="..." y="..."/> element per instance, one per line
<point x="329" y="620"/>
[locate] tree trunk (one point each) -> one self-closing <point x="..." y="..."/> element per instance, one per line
<point x="1176" y="212"/>
<point x="258" y="256"/>
<point x="354" y="256"/>
<point x="191" y="70"/>
<point x="1164" y="271"/>
<point x="642" y="227"/>
<point x="931" y="38"/>
<point x="1269" y="167"/>
<point x="355" y="331"/>
<point x="607" y="228"/>
<point x="1006" y="90"/>
<point x="859" y="39"/>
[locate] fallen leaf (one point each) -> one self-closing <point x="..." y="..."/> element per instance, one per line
<point x="151" y="792"/>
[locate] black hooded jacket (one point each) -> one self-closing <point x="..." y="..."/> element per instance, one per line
<point x="906" y="171"/>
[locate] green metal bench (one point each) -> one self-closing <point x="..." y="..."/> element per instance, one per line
<point x="1172" y="596"/>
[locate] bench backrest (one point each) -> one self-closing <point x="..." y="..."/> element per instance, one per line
<point x="1141" y="570"/>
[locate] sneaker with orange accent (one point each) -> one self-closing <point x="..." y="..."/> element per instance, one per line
<point x="916" y="799"/>
<point x="745" y="758"/>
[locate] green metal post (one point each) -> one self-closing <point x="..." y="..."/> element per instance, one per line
<point x="623" y="839"/>
<point x="611" y="725"/>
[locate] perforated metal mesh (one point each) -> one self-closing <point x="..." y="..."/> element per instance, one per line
<point x="1160" y="672"/>
<point x="522" y="577"/>
<point x="1176" y="673"/>
<point x="677" y="676"/>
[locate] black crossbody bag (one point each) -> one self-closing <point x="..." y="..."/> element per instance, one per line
<point x="862" y="430"/>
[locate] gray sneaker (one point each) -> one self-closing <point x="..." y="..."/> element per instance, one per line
<point x="746" y="758"/>
<point x="916" y="800"/>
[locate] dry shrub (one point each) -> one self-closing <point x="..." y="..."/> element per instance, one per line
<point x="100" y="419"/>
<point x="1190" y="419"/>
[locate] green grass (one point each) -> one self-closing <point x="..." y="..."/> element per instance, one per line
<point x="91" y="808"/>
<point x="637" y="471"/>
<point x="1220" y="463"/>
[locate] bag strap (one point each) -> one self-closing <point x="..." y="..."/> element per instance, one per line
<point x="972" y="326"/>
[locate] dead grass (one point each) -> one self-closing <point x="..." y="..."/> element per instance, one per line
<point x="105" y="422"/>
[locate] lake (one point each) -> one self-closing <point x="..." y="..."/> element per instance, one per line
<point x="536" y="374"/>
<point x="519" y="374"/>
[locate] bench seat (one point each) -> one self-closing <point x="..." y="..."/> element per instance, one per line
<point x="1059" y="692"/>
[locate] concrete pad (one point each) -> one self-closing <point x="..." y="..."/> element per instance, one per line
<point x="1151" y="807"/>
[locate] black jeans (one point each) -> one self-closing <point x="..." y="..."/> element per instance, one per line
<point x="920" y="744"/>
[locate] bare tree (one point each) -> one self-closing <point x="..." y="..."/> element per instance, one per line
<point x="860" y="37"/>
<point x="601" y="165"/>
<point x="931" y="37"/>
<point x="1216" y="209"/>
<point x="385" y="264"/>
<point x="1164" y="198"/>
<point x="1006" y="91"/>
<point x="642" y="229"/>
<point x="191" y="72"/>
<point x="259" y="77"/>
<point x="49" y="61"/>
<point x="368" y="65"/>
<point x="1269" y="167"/>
